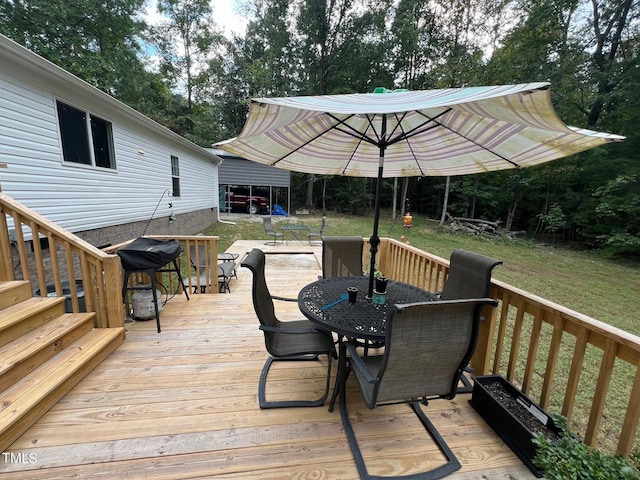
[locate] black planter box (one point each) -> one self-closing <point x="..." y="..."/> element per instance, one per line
<point x="512" y="431"/>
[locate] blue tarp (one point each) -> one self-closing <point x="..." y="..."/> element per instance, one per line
<point x="277" y="210"/>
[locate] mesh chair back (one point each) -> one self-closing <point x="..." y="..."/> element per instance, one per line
<point x="262" y="302"/>
<point x="469" y="275"/>
<point x="342" y="256"/>
<point x="427" y="347"/>
<point x="323" y="225"/>
<point x="268" y="226"/>
<point x="198" y="256"/>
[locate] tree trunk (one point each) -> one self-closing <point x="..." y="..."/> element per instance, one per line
<point x="405" y="200"/>
<point x="311" y="178"/>
<point x="476" y="182"/>
<point x="511" y="215"/>
<point x="324" y="196"/>
<point x="446" y="201"/>
<point x="395" y="199"/>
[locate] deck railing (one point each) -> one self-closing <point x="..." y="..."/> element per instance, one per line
<point x="198" y="262"/>
<point x="57" y="262"/>
<point x="542" y="347"/>
<point x="569" y="362"/>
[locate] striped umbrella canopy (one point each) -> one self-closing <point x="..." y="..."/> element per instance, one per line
<point x="444" y="132"/>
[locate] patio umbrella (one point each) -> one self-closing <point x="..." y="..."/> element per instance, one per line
<point x="445" y="132"/>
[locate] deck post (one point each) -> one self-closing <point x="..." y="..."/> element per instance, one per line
<point x="113" y="293"/>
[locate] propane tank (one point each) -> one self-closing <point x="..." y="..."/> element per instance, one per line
<point x="142" y="302"/>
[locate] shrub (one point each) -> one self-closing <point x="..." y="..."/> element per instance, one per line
<point x="570" y="459"/>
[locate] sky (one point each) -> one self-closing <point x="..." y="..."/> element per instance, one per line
<point x="225" y="13"/>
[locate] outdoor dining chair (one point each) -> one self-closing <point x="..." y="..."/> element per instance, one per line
<point x="342" y="256"/>
<point x="268" y="229"/>
<point x="427" y="347"/>
<point x="200" y="265"/>
<point x="290" y="340"/>
<point x="469" y="277"/>
<point x="317" y="235"/>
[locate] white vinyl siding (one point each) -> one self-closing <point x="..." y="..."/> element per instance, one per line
<point x="88" y="198"/>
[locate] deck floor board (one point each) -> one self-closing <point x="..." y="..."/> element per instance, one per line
<point x="183" y="404"/>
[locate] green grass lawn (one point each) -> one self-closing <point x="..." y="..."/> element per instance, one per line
<point x="603" y="289"/>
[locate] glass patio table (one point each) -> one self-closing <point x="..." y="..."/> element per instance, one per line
<point x="295" y="230"/>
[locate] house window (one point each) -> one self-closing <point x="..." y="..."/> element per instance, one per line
<point x="86" y="139"/>
<point x="175" y="175"/>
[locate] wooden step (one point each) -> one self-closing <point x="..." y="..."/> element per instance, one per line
<point x="26" y="401"/>
<point x="23" y="355"/>
<point x="12" y="292"/>
<point x="18" y="319"/>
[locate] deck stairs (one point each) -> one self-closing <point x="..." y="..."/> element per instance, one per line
<point x="44" y="353"/>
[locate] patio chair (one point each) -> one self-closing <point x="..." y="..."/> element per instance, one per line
<point x="342" y="256"/>
<point x="268" y="229"/>
<point x="199" y="261"/>
<point x="427" y="348"/>
<point x="469" y="277"/>
<point x="317" y="234"/>
<point x="291" y="340"/>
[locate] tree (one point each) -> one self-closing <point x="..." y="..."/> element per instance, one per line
<point x="185" y="41"/>
<point x="418" y="42"/>
<point x="96" y="41"/>
<point x="554" y="220"/>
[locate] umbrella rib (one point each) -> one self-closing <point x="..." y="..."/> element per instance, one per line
<point x="353" y="131"/>
<point x="405" y="136"/>
<point x="299" y="147"/>
<point x="435" y="119"/>
<point x="424" y="127"/>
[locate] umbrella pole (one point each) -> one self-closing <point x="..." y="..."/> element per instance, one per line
<point x="374" y="241"/>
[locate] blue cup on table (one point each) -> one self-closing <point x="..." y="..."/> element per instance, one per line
<point x="379" y="298"/>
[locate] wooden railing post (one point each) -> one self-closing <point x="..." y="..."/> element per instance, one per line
<point x="114" y="310"/>
<point x="481" y="360"/>
<point x="6" y="260"/>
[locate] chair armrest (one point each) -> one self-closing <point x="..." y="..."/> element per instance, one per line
<point x="284" y="299"/>
<point x="356" y="363"/>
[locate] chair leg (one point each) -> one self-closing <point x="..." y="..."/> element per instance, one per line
<point x="275" y="239"/>
<point x="451" y="465"/>
<point x="224" y="286"/>
<point x="262" y="386"/>
<point x="467" y="386"/>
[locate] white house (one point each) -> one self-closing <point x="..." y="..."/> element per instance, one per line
<point x="91" y="164"/>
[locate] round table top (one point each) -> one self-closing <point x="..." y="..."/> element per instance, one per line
<point x="364" y="319"/>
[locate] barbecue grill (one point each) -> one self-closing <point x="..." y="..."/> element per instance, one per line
<point x="150" y="256"/>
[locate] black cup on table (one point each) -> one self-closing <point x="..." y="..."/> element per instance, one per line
<point x="353" y="294"/>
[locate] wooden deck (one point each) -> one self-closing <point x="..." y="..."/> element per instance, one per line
<point x="183" y="404"/>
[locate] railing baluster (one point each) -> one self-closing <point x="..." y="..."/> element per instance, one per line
<point x="21" y="244"/>
<point x="574" y="374"/>
<point x="515" y="340"/>
<point x="502" y="331"/>
<point x="552" y="361"/>
<point x="631" y="419"/>
<point x="504" y="335"/>
<point x="534" y="343"/>
<point x="600" y="394"/>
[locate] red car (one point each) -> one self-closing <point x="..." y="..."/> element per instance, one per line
<point x="239" y="200"/>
